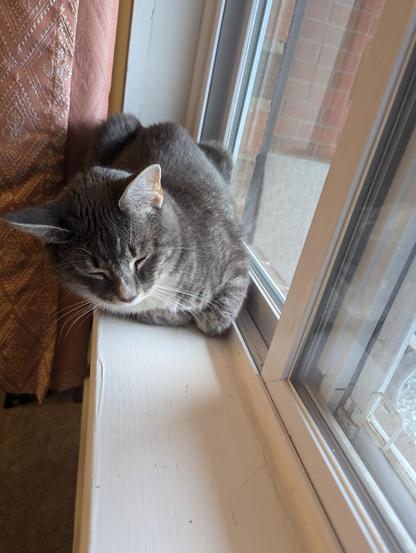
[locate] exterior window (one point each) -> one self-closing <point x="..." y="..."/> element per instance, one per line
<point x="360" y="363"/>
<point x="299" y="103"/>
<point x="293" y="111"/>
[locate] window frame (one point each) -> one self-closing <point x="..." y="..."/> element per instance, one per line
<point x="374" y="92"/>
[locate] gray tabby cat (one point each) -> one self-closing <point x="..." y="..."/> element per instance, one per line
<point x="149" y="230"/>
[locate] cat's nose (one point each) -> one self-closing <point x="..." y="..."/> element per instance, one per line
<point x="125" y="293"/>
<point x="127" y="299"/>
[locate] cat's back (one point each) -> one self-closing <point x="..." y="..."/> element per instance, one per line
<point x="168" y="144"/>
<point x="188" y="174"/>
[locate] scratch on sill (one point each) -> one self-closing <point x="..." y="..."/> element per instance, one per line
<point x="101" y="388"/>
<point x="252" y="474"/>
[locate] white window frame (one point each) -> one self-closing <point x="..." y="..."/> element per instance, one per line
<point x="274" y="335"/>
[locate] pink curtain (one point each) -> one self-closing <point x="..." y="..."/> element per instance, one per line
<point x="55" y="72"/>
<point x="91" y="82"/>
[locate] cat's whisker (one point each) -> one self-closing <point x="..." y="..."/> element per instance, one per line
<point x="67" y="309"/>
<point x="198" y="295"/>
<point x="163" y="297"/>
<point x="177" y="291"/>
<point x="73" y="261"/>
<point x="210" y="303"/>
<point x="86" y="312"/>
<point x="67" y="292"/>
<point x="196" y="250"/>
<point x="68" y="322"/>
<point x="72" y="316"/>
<point x="193" y="310"/>
<point x="180" y="302"/>
<point x="90" y="254"/>
<point x="53" y="320"/>
<point x="173" y="301"/>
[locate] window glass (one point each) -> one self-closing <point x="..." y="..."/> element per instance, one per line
<point x="297" y="110"/>
<point x="360" y="364"/>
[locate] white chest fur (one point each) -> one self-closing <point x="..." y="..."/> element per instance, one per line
<point x="150" y="303"/>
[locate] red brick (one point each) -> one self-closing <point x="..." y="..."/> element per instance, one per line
<point x="316" y="94"/>
<point x="302" y="71"/>
<point x="373" y="6"/>
<point x="333" y="117"/>
<point x="340" y="15"/>
<point x="334" y="36"/>
<point x="319" y="134"/>
<point x="286" y="127"/>
<point x="374" y="27"/>
<point x="307" y="51"/>
<point x="296" y="90"/>
<point x="325" y="152"/>
<point x="290" y="146"/>
<point x="337" y="99"/>
<point x="356" y="42"/>
<point x="319" y="9"/>
<point x="301" y="111"/>
<point x="361" y="21"/>
<point x="328" y="56"/>
<point x="322" y="75"/>
<point x="333" y="99"/>
<point x="348" y="62"/>
<point x="325" y="135"/>
<point x="313" y="30"/>
<point x="254" y="132"/>
<point x="342" y="81"/>
<point x="285" y="20"/>
<point x="305" y="131"/>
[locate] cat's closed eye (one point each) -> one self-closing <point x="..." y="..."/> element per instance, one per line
<point x="98" y="273"/>
<point x="138" y="262"/>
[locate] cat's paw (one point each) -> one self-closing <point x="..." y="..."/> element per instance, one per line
<point x="211" y="324"/>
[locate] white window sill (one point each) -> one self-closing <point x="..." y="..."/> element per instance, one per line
<point x="181" y="451"/>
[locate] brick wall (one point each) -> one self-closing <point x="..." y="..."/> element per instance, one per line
<point x="332" y="41"/>
<point x="270" y="61"/>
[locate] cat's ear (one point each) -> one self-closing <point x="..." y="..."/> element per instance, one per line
<point x="144" y="190"/>
<point x="41" y="221"/>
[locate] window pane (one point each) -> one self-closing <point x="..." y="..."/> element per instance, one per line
<point x="360" y="364"/>
<point x="298" y="106"/>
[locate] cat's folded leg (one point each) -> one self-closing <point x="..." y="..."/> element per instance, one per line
<point x="162" y="317"/>
<point x="211" y="323"/>
<point x="221" y="312"/>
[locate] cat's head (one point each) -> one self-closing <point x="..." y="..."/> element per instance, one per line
<point x="104" y="234"/>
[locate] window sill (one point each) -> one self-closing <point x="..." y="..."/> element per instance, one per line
<point x="181" y="450"/>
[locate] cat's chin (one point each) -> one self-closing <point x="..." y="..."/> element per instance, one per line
<point x="122" y="306"/>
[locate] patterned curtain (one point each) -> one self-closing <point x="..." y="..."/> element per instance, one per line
<point x="45" y="59"/>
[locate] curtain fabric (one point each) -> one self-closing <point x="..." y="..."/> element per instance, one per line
<point x="55" y="70"/>
<point x="90" y="88"/>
